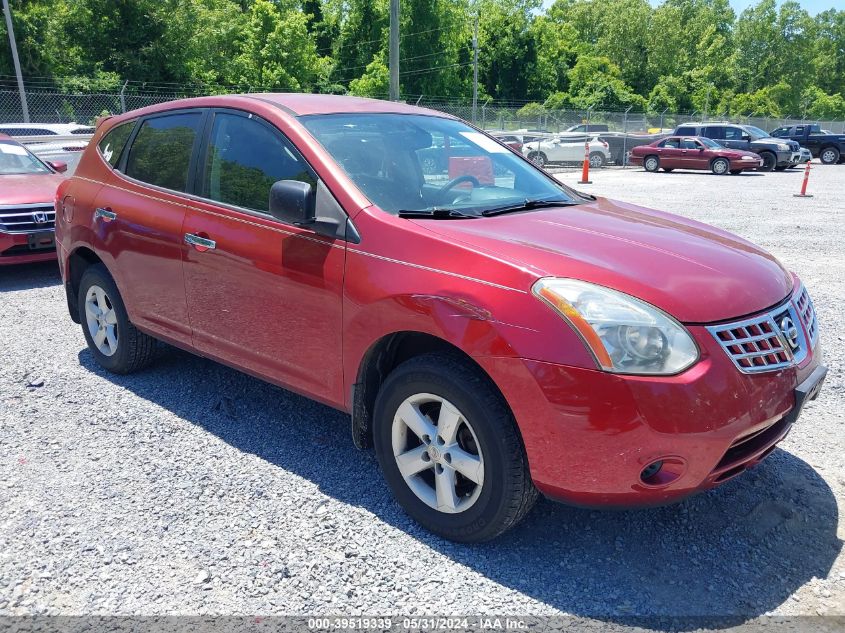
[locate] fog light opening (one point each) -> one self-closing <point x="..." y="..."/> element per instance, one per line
<point x="649" y="474"/>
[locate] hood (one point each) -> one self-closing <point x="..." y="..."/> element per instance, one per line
<point x="695" y="272"/>
<point x="29" y="188"/>
<point x="739" y="153"/>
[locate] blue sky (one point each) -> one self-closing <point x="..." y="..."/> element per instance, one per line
<point x="813" y="6"/>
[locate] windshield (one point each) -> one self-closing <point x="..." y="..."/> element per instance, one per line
<point x="756" y="131"/>
<point x="413" y="162"/>
<point x="15" y="159"/>
<point x="709" y="142"/>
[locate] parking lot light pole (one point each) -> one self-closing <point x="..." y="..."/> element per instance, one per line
<point x="24" y="106"/>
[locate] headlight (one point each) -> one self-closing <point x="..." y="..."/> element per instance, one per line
<point x="749" y="158"/>
<point x="783" y="146"/>
<point x="624" y="334"/>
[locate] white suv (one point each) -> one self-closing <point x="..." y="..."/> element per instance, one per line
<point x="566" y="150"/>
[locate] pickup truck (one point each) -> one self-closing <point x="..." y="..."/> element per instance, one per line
<point x="827" y="147"/>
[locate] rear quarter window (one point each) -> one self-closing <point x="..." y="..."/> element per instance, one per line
<point x="112" y="144"/>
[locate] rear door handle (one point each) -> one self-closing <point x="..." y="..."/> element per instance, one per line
<point x="107" y="214"/>
<point x="200" y="243"/>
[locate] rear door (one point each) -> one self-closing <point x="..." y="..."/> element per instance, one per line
<point x="263" y="295"/>
<point x="139" y="214"/>
<point x="669" y="152"/>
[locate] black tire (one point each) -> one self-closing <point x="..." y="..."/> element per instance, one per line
<point x="596" y="160"/>
<point x="770" y="161"/>
<point x="134" y="349"/>
<point x="782" y="167"/>
<point x="506" y="493"/>
<point x="651" y="163"/>
<point x="538" y="158"/>
<point x="829" y="155"/>
<point x="668" y="170"/>
<point x="720" y="166"/>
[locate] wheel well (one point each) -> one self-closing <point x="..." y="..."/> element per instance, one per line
<point x="78" y="263"/>
<point x="382" y="358"/>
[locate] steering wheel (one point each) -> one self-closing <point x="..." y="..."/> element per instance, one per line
<point x="457" y="181"/>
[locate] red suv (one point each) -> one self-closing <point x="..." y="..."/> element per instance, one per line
<point x="27" y="217"/>
<point x="492" y="332"/>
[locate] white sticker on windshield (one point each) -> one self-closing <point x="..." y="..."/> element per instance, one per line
<point x="8" y="148"/>
<point x="484" y="142"/>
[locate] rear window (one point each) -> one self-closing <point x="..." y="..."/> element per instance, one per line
<point x="112" y="144"/>
<point x="685" y="130"/>
<point x="161" y="152"/>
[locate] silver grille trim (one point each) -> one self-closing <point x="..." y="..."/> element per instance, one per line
<point x="766" y="342"/>
<point x="27" y="218"/>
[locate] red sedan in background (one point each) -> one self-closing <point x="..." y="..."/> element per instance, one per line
<point x="693" y="152"/>
<point x="27" y="215"/>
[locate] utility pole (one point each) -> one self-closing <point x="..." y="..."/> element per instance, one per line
<point x="475" y="71"/>
<point x="394" y="50"/>
<point x="15" y="60"/>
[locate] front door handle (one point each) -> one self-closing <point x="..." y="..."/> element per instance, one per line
<point x="200" y="243"/>
<point x="107" y="214"/>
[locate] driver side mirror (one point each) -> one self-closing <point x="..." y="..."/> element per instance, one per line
<point x="293" y="202"/>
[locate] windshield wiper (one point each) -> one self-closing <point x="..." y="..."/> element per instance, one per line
<point x="436" y="213"/>
<point x="527" y="205"/>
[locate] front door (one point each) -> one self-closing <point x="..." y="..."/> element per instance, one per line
<point x="262" y="295"/>
<point x="693" y="155"/>
<point x="139" y="215"/>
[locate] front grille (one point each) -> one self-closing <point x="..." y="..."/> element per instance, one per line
<point x="808" y="315"/>
<point x="794" y="146"/>
<point x="27" y="218"/>
<point x="770" y="341"/>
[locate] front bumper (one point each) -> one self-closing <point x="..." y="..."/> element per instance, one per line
<point x="589" y="434"/>
<point x="746" y="164"/>
<point x="19" y="248"/>
<point x="786" y="157"/>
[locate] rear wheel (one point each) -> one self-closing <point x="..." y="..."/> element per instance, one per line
<point x="720" y="166"/>
<point x="596" y="160"/>
<point x="651" y="163"/>
<point x="770" y="161"/>
<point x="449" y="449"/>
<point x="829" y="156"/>
<point x="115" y="343"/>
<point x="538" y="158"/>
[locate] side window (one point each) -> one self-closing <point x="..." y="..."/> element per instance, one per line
<point x="689" y="143"/>
<point x="715" y="131"/>
<point x="244" y="158"/>
<point x="161" y="152"/>
<point x="112" y="144"/>
<point x="732" y="134"/>
<point x="780" y="132"/>
<point x="799" y="130"/>
<point x="685" y="130"/>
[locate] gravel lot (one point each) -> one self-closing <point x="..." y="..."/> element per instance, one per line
<point x="193" y="489"/>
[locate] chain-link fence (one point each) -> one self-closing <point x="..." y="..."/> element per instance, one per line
<point x="60" y="107"/>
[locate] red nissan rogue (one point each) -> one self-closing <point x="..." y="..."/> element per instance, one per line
<point x="492" y="332"/>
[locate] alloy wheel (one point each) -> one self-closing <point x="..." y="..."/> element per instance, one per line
<point x="101" y="320"/>
<point x="651" y="164"/>
<point x="437" y="453"/>
<point x="828" y="156"/>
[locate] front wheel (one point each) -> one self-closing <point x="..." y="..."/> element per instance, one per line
<point x="449" y="449"/>
<point x="829" y="156"/>
<point x="651" y="163"/>
<point x="720" y="166"/>
<point x="770" y="161"/>
<point x="115" y="343"/>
